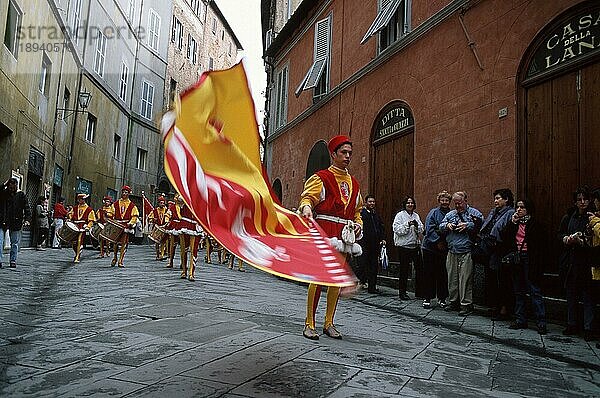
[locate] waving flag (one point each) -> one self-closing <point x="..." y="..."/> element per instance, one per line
<point x="212" y="158"/>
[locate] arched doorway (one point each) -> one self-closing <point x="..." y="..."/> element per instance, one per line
<point x="318" y="159"/>
<point x="392" y="167"/>
<point x="278" y="189"/>
<point x="559" y="120"/>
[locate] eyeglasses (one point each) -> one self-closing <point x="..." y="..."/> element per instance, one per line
<point x="521" y="207"/>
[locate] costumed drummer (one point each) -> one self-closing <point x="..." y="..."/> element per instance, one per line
<point x="334" y="196"/>
<point x="101" y="216"/>
<point x="83" y="217"/>
<point x="157" y="217"/>
<point x="126" y="214"/>
<point x="190" y="234"/>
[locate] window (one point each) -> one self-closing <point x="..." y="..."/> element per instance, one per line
<point x="100" y="56"/>
<point x="229" y="52"/>
<point x="177" y="33"/>
<point x="172" y="90"/>
<point x="76" y="20"/>
<point x="318" y="73"/>
<point x="142" y="157"/>
<point x="130" y="10"/>
<point x="288" y="11"/>
<point x="123" y="82"/>
<point x="282" y="97"/>
<point x="223" y="34"/>
<point x="147" y="100"/>
<point x="153" y="30"/>
<point x="192" y="50"/>
<point x="44" y="85"/>
<point x="392" y="22"/>
<point x="13" y="22"/>
<point x="197" y="8"/>
<point x="117" y="147"/>
<point x="210" y="63"/>
<point x="214" y="27"/>
<point x="90" y="128"/>
<point x="66" y="102"/>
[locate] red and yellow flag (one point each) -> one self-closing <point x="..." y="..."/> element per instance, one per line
<point x="212" y="158"/>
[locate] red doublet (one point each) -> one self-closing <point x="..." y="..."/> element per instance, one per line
<point x="333" y="204"/>
<point x="102" y="214"/>
<point x="159" y="219"/>
<point x="125" y="216"/>
<point x="80" y="222"/>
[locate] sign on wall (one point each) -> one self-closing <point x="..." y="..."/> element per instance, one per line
<point x="83" y="186"/>
<point x="574" y="40"/>
<point x="395" y="119"/>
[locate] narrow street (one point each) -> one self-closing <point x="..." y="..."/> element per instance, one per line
<point x="92" y="330"/>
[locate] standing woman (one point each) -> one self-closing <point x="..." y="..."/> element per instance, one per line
<point x="42" y="223"/>
<point x="408" y="230"/>
<point x="524" y="235"/>
<point x="578" y="281"/>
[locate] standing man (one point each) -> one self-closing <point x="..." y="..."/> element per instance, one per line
<point x="461" y="225"/>
<point x="83" y="217"/>
<point x="435" y="250"/>
<point x="126" y="213"/>
<point x="59" y="214"/>
<point x="334" y="195"/>
<point x="371" y="243"/>
<point x="101" y="216"/>
<point x="157" y="218"/>
<point x="14" y="213"/>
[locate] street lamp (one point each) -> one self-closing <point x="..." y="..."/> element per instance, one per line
<point x="83" y="99"/>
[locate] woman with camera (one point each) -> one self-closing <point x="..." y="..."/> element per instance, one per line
<point x="524" y="235"/>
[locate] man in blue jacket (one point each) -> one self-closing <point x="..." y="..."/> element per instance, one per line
<point x="462" y="225"/>
<point x="14" y="211"/>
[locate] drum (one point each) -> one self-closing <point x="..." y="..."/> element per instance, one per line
<point x="69" y="232"/>
<point x="96" y="229"/>
<point x="112" y="231"/>
<point x="158" y="234"/>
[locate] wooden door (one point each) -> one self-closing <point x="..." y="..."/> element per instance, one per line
<point x="562" y="145"/>
<point x="392" y="179"/>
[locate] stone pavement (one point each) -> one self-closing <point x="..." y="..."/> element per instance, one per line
<point x="92" y="330"/>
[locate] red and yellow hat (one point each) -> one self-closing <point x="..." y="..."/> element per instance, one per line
<point x="126" y="188"/>
<point x="337" y="142"/>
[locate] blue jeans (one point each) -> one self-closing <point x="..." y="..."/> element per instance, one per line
<point x="522" y="285"/>
<point x="15" y="238"/>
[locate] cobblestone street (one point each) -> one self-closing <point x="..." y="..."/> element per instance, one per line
<point x="92" y="330"/>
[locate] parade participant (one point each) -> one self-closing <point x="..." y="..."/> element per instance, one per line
<point x="334" y="195"/>
<point x="172" y="218"/>
<point x="157" y="218"/>
<point x="101" y="216"/>
<point x="59" y="214"/>
<point x="126" y="213"/>
<point x="189" y="241"/>
<point x="83" y="217"/>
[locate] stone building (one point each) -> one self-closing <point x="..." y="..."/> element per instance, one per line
<point x="200" y="40"/>
<point x="469" y="95"/>
<point x="55" y="54"/>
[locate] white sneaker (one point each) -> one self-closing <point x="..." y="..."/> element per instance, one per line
<point x="426" y="304"/>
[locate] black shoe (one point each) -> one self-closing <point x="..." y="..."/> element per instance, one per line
<point x="466" y="310"/>
<point x="452" y="307"/>
<point x="570" y="331"/>
<point x="542" y="329"/>
<point x="516" y="325"/>
<point x="404" y="296"/>
<point x="500" y="317"/>
<point x="374" y="291"/>
<point x="587" y="335"/>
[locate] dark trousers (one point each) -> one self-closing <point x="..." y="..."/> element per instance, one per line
<point x="499" y="284"/>
<point x="579" y="285"/>
<point x="435" y="275"/>
<point x="408" y="257"/>
<point x="371" y="266"/>
<point x="522" y="286"/>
